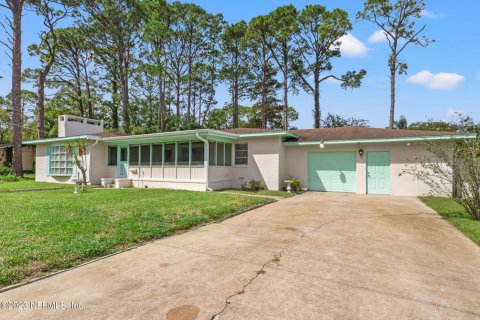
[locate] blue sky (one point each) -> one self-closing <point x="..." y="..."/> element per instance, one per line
<point x="442" y="78"/>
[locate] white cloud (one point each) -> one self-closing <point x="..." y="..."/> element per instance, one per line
<point x="441" y="80"/>
<point x="377" y="36"/>
<point x="427" y="14"/>
<point x="351" y="47"/>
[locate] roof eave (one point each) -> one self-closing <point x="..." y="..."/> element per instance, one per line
<point x="382" y="140"/>
<point x="50" y="140"/>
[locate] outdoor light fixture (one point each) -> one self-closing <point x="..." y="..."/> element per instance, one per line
<point x="360" y="152"/>
<point x="322" y="144"/>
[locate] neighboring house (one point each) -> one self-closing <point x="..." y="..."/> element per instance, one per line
<point x="28" y="156"/>
<point x="348" y="159"/>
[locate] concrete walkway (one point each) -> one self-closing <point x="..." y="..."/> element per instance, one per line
<point x="313" y="256"/>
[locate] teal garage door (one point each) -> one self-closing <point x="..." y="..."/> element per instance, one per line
<point x="332" y="171"/>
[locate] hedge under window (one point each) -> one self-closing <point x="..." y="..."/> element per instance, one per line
<point x="61" y="162"/>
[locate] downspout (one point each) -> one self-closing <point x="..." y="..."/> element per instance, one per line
<point x="205" y="156"/>
<point x="90" y="162"/>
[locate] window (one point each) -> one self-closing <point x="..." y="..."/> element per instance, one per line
<point x="112" y="155"/>
<point x="61" y="161"/>
<point x="170" y="154"/>
<point x="123" y="154"/>
<point x="241" y="153"/>
<point x="228" y="154"/>
<point x="220" y="160"/>
<point x="197" y="153"/>
<point x="183" y="154"/>
<point x="211" y="153"/>
<point x="156" y="154"/>
<point x="134" y="153"/>
<point x="145" y="155"/>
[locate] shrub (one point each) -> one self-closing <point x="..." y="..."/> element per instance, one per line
<point x="295" y="184"/>
<point x="8" y="178"/>
<point x="5" y="171"/>
<point x="257" y="185"/>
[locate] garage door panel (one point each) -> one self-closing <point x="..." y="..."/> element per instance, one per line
<point x="332" y="171"/>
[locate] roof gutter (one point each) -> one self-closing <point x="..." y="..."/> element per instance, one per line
<point x="381" y="140"/>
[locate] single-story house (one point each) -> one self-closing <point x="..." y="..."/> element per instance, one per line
<point x="348" y="159"/>
<point x="28" y="156"/>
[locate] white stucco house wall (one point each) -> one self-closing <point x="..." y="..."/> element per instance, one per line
<point x="349" y="159"/>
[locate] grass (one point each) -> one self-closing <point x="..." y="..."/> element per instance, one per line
<point x="27" y="182"/>
<point x="456" y="215"/>
<point x="41" y="232"/>
<point x="276" y="193"/>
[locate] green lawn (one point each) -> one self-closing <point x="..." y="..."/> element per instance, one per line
<point x="456" y="215"/>
<point x="29" y="182"/>
<point x="44" y="231"/>
<point x="276" y="193"/>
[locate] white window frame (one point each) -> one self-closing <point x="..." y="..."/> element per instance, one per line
<point x="61" y="162"/>
<point x="242" y="157"/>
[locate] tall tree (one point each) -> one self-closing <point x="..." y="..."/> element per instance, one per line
<point x="14" y="45"/>
<point x="397" y="19"/>
<point x="46" y="49"/>
<point x="282" y="24"/>
<point x="264" y="84"/>
<point x="317" y="42"/>
<point x="235" y="71"/>
<point x="156" y="34"/>
<point x="115" y="28"/>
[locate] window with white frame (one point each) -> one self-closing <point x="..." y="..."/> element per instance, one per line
<point x="241" y="153"/>
<point x="61" y="161"/>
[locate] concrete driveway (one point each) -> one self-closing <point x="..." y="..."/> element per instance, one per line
<point x="314" y="256"/>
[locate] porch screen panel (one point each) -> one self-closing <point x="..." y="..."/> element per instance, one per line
<point x="220" y="160"/>
<point x="197" y="153"/>
<point x="134" y="155"/>
<point x="145" y="155"/>
<point x="228" y="154"/>
<point x="211" y="153"/>
<point x="183" y="154"/>
<point x="156" y="154"/>
<point x="170" y="154"/>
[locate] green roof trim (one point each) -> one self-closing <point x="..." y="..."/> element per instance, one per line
<point x="380" y="140"/>
<point x="268" y="134"/>
<point x="49" y="140"/>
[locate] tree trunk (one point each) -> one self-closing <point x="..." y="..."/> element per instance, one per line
<point x="115" y="120"/>
<point x="123" y="68"/>
<point x="264" y="94"/>
<point x="41" y="104"/>
<point x="285" y="91"/>
<point x="392" y="96"/>
<point x="177" y="103"/>
<point x="17" y="164"/>
<point x="89" y="95"/>
<point x="316" y="96"/>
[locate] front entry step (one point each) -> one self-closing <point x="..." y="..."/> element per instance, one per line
<point x="117" y="183"/>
